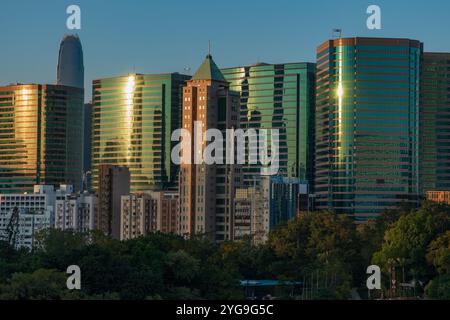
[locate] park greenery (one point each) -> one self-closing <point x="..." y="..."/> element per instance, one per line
<point x="325" y="251"/>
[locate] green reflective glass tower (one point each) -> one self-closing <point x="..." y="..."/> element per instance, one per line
<point x="435" y="123"/>
<point x="279" y="96"/>
<point x="367" y="125"/>
<point x="133" y="118"/>
<point x="41" y="136"/>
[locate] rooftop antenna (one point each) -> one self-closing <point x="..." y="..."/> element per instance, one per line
<point x="337" y="33"/>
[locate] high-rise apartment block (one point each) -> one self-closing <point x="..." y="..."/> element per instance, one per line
<point x="165" y="203"/>
<point x="252" y="213"/>
<point x="147" y="212"/>
<point x="76" y="212"/>
<point x="137" y="216"/>
<point x="207" y="191"/>
<point x="114" y="182"/>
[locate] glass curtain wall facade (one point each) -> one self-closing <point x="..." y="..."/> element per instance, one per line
<point x="70" y="70"/>
<point x="41" y="136"/>
<point x="435" y="123"/>
<point x="133" y="118"/>
<point x="278" y="96"/>
<point x="367" y="125"/>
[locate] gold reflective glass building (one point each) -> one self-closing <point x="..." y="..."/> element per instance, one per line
<point x="40" y="136"/>
<point x="133" y="117"/>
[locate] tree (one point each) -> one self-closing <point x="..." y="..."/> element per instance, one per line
<point x="406" y="241"/>
<point x="438" y="288"/>
<point x="42" y="284"/>
<point x="439" y="253"/>
<point x="322" y="246"/>
<point x="372" y="233"/>
<point x="60" y="249"/>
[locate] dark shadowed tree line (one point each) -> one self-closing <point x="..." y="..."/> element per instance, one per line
<point x="323" y="250"/>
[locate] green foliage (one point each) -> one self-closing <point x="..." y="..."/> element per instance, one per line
<point x="322" y="245"/>
<point x="326" y="251"/>
<point x="43" y="284"/>
<point x="439" y="253"/>
<point x="406" y="241"/>
<point x="438" y="288"/>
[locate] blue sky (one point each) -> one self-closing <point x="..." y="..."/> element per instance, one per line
<point x="155" y="36"/>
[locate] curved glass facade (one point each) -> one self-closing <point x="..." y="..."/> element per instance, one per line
<point x="367" y="125"/>
<point x="435" y="123"/>
<point x="279" y="96"/>
<point x="41" y="136"/>
<point x="70" y="71"/>
<point x="132" y="121"/>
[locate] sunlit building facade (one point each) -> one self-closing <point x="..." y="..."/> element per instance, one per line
<point x="133" y="118"/>
<point x="435" y="123"/>
<point x="367" y="125"/>
<point x="438" y="196"/>
<point x="252" y="213"/>
<point x="206" y="191"/>
<point x="41" y="136"/>
<point x="279" y="96"/>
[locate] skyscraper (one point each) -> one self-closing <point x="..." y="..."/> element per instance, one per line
<point x="435" y="123"/>
<point x="279" y="96"/>
<point x="367" y="124"/>
<point x="207" y="191"/>
<point x="87" y="146"/>
<point x="133" y="118"/>
<point x="41" y="136"/>
<point x="70" y="70"/>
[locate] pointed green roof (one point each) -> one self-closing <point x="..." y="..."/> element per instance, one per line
<point x="209" y="71"/>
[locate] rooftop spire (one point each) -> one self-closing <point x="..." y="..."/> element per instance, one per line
<point x="209" y="70"/>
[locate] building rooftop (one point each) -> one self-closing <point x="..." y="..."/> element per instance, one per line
<point x="209" y="71"/>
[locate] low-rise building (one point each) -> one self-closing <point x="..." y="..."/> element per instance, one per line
<point x="438" y="196"/>
<point x="23" y="215"/>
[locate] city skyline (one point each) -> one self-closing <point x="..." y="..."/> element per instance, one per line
<point x="107" y="53"/>
<point x="306" y="157"/>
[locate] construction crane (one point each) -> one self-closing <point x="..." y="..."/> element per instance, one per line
<point x="12" y="229"/>
<point x="85" y="182"/>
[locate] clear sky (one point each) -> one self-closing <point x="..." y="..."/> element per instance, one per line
<point x="155" y="36"/>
